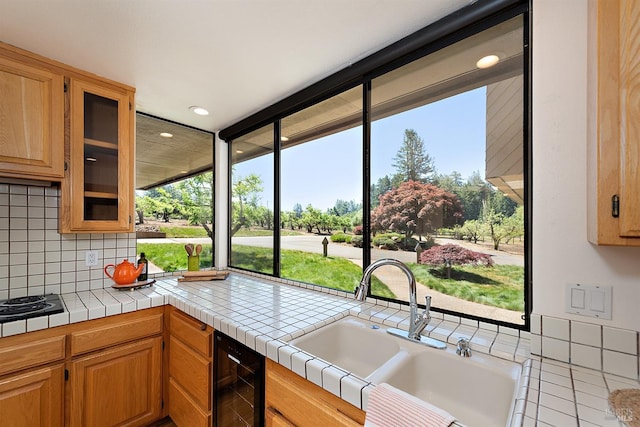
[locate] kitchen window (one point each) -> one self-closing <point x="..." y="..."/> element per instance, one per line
<point x="426" y="161"/>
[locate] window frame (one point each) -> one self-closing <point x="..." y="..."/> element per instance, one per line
<point x="469" y="21"/>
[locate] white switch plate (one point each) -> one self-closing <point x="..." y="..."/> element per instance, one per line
<point x="91" y="258"/>
<point x="588" y="300"/>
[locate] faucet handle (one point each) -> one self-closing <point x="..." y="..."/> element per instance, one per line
<point x="427" y="303"/>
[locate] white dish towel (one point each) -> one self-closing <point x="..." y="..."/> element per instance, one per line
<point x="391" y="407"/>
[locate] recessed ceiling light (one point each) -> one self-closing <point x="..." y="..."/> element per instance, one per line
<point x="487" y="61"/>
<point x="199" y="110"/>
<point x="91" y="159"/>
<point x="166" y="135"/>
<point x="284" y="139"/>
<point x="239" y="151"/>
<point x="184" y="171"/>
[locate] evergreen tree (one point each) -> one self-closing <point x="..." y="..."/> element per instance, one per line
<point x="412" y="162"/>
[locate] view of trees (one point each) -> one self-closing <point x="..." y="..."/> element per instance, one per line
<point x="415" y="201"/>
<point x="190" y="199"/>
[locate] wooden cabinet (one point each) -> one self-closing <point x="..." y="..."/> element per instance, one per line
<point x="292" y="400"/>
<point x="190" y="370"/>
<point x="118" y="386"/>
<point x="33" y="398"/>
<point x="115" y="370"/>
<point x="31" y="118"/>
<point x="32" y="379"/>
<point x="97" y="193"/>
<point x="614" y="122"/>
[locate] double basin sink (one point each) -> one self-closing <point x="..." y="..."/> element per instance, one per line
<point x="477" y="391"/>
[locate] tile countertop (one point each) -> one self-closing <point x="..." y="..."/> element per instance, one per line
<point x="264" y="315"/>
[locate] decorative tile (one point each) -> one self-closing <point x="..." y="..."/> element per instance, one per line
<point x="587" y="356"/>
<point x="586" y="333"/>
<point x="621" y="364"/>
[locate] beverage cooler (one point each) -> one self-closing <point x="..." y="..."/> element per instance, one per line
<point x="238" y="384"/>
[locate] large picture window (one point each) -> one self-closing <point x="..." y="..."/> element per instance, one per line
<point x="426" y="163"/>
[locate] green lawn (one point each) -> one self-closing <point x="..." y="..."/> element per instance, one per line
<point x="498" y="286"/>
<point x="172" y="256"/>
<point x="183" y="231"/>
<point x="332" y="272"/>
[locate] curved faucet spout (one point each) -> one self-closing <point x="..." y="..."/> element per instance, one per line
<point x="416" y="323"/>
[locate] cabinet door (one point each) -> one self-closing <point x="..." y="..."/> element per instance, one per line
<point x="33" y="399"/>
<point x="31" y="121"/>
<point x="119" y="386"/>
<point x="98" y="196"/>
<point x="614" y="122"/>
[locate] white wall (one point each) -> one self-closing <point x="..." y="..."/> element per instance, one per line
<point x="561" y="251"/>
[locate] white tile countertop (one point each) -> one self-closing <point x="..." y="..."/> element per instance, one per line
<point x="264" y="314"/>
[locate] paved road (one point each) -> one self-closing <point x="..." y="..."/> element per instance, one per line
<point x="313" y="244"/>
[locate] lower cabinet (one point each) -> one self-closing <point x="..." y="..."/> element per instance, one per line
<point x="33" y="398"/>
<point x="118" y="386"/>
<point x="190" y="370"/>
<point x="294" y="401"/>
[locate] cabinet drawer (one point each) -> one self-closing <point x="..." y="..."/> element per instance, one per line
<point x="196" y="334"/>
<point x="115" y="332"/>
<point x="192" y="371"/>
<point x="301" y="402"/>
<point x="183" y="410"/>
<point x="20" y="354"/>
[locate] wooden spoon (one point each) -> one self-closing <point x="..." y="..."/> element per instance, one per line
<point x="189" y="248"/>
<point x="198" y="249"/>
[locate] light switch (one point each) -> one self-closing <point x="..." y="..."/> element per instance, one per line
<point x="588" y="300"/>
<point x="577" y="298"/>
<point x="597" y="300"/>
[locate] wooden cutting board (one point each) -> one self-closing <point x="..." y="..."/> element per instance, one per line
<point x="196" y="276"/>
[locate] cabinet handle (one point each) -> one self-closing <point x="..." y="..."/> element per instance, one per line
<point x="615" y="206"/>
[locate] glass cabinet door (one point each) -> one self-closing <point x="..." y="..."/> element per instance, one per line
<point x="101" y="160"/>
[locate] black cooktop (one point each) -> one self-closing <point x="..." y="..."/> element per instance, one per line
<point x="31" y="306"/>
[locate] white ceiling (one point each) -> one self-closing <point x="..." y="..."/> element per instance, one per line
<point x="232" y="57"/>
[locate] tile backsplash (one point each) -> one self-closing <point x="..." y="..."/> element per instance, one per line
<point x="36" y="259"/>
<point x="610" y="350"/>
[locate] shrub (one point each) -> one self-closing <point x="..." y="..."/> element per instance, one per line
<point x="454" y="255"/>
<point x="357" y="230"/>
<point x="357" y="241"/>
<point x="340" y="238"/>
<point x="449" y="255"/>
<point x="385" y="243"/>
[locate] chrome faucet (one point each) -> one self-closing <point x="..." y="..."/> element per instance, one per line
<point x="464" y="347"/>
<point x="417" y="322"/>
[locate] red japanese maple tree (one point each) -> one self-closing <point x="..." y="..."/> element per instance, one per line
<point x="416" y="208"/>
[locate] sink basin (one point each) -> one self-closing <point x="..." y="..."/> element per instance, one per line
<point x="352" y="344"/>
<point x="478" y="391"/>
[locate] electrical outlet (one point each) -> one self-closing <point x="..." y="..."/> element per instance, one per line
<point x="91" y="258"/>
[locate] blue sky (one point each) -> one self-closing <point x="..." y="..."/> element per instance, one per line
<point x="322" y="171"/>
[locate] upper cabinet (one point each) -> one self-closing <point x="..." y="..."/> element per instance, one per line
<point x="31" y="119"/>
<point x="614" y="122"/>
<point x="97" y="192"/>
<point x="62" y="124"/>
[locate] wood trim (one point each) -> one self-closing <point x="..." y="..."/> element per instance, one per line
<point x="26" y="351"/>
<point x="58" y="67"/>
<point x="115" y="332"/>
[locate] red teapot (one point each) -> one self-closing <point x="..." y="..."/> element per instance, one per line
<point x="124" y="273"/>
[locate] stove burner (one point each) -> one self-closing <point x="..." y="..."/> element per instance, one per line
<point x="12" y="310"/>
<point x="24" y="300"/>
<point x="30" y="306"/>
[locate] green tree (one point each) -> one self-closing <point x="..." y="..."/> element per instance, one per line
<point x="378" y="189"/>
<point x="197" y="200"/>
<point x="473" y="230"/>
<point x="412" y="162"/>
<point x="245" y="196"/>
